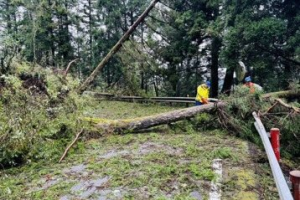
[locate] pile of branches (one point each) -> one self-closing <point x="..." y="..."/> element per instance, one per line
<point x="38" y="112"/>
<point x="274" y="112"/>
<point x="287" y="118"/>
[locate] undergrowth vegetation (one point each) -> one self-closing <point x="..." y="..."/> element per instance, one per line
<point x="38" y="113"/>
<point x="41" y="112"/>
<point x="165" y="165"/>
<point x="237" y="118"/>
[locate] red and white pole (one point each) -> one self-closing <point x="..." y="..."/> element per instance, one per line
<point x="295" y="179"/>
<point x="274" y="133"/>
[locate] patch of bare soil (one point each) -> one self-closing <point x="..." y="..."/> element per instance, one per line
<point x="34" y="84"/>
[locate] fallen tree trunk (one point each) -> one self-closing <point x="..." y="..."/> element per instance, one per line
<point x="283" y="94"/>
<point x="109" y="126"/>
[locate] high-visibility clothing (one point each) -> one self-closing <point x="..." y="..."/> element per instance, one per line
<point x="202" y="94"/>
<point x="251" y="86"/>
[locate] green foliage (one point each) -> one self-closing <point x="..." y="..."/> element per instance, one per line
<point x="180" y="127"/>
<point x="147" y="166"/>
<point x="203" y="171"/>
<point x="12" y="81"/>
<point x="222" y="153"/>
<point x="289" y="126"/>
<point x="241" y="102"/>
<point x="205" y="121"/>
<point x="31" y="126"/>
<point x="239" y="111"/>
<point x="240" y="120"/>
<point x="261" y="39"/>
<point x="171" y="50"/>
<point x="139" y="68"/>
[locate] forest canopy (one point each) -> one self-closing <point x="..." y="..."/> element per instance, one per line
<point x="179" y="45"/>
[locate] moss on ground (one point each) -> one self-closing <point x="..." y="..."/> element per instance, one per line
<point x="155" y="165"/>
<point x="114" y="110"/>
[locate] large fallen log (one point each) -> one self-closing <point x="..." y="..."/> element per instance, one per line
<point x="283" y="94"/>
<point x="128" y="125"/>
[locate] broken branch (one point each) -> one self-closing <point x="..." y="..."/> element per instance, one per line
<point x="68" y="148"/>
<point x="69" y="66"/>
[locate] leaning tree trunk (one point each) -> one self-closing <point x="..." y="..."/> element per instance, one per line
<point x="116" y="48"/>
<point x="150" y="121"/>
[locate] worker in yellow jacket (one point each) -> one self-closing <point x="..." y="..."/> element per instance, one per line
<point x="203" y="93"/>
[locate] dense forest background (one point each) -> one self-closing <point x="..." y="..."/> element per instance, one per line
<point x="180" y="44"/>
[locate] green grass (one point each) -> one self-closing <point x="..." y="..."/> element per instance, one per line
<point x="167" y="163"/>
<point x="122" y="110"/>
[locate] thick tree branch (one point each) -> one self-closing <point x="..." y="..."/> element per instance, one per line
<point x="279" y="54"/>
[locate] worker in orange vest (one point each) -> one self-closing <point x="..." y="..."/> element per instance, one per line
<point x="202" y="93"/>
<point x="249" y="84"/>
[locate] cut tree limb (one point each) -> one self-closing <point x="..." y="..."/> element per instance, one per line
<point x="288" y="106"/>
<point x="116" y="48"/>
<point x="283" y="105"/>
<point x="69" y="147"/>
<point x="69" y="66"/>
<point x="154" y="120"/>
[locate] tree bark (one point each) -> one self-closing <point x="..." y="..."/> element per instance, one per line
<point x="146" y="122"/>
<point x="116" y="48"/>
<point x="129" y="125"/>
<point x="283" y="94"/>
<point x="228" y="81"/>
<point x="216" y="45"/>
<point x="91" y="61"/>
<point x="50" y="32"/>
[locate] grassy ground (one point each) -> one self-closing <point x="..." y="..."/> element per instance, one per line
<point x="162" y="163"/>
<point x="123" y="110"/>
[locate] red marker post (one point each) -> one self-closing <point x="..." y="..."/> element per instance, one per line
<point x="295" y="179"/>
<point x="274" y="133"/>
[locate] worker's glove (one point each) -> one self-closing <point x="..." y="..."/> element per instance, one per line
<point x="204" y="101"/>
